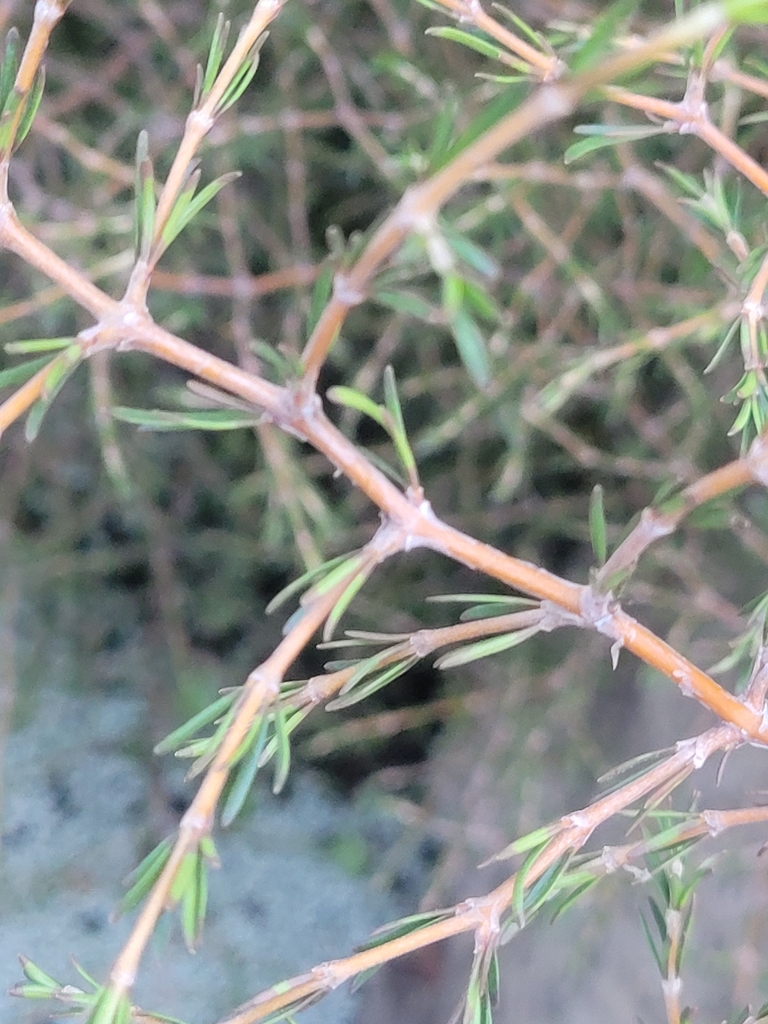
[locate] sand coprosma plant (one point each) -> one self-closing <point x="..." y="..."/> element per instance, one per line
<point x="438" y="262"/>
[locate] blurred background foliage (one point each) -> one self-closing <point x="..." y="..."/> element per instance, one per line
<point x="574" y="277"/>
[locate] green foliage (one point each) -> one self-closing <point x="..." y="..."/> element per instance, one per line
<point x="17" y="109"/>
<point x="551" y="344"/>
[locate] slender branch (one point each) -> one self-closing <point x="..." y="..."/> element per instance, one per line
<point x="422" y="526"/>
<point x="692" y="117"/>
<point x="576" y="829"/>
<point x="546" y="65"/>
<point x="252" y="287"/>
<point x="200" y="121"/>
<point x="293" y="412"/>
<point x="261" y="689"/>
<point x="723" y="72"/>
<point x="23" y="398"/>
<point x="734" y="154"/>
<point x="560" y="389"/>
<point x="16" y="238"/>
<point x="46" y="16"/>
<point x="657" y="523"/>
<point x="417" y="209"/>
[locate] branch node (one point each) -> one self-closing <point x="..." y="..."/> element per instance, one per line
<point x="554" y="617"/>
<point x="684" y="682"/>
<point x="714" y="822"/>
<point x="696" y="749"/>
<point x="346" y="293"/>
<point x="598" y="612"/>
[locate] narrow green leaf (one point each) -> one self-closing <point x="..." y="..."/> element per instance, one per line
<point x="61" y="368"/>
<point x="507" y="79"/>
<point x="345" y="600"/>
<point x="472" y="348"/>
<point x="548" y="884"/>
<point x="492" y="982"/>
<point x="143" y="877"/>
<point x="185" y="877"/>
<point x="487" y="117"/>
<point x="488" y="611"/>
<point x="473" y="998"/>
<point x="485" y="648"/>
<point x="84" y="974"/>
<point x="209" y="852"/>
<point x="248" y="741"/>
<point x="407" y="303"/>
<point x="341" y="395"/>
<point x="297" y="1006"/>
<point x="453" y="295"/>
<point x="372" y="685"/>
<point x="21" y="372"/>
<point x="597" y="524"/>
<point x="606" y="29"/>
<point x="538" y="838"/>
<point x="202" y="419"/>
<point x="36" y="974"/>
<point x="397" y="424"/>
<point x="37" y="345"/>
<point x="512" y="601"/>
<point x="180" y="207"/>
<point x="474" y="42"/>
<point x="194" y="904"/>
<point x="215" y="55"/>
<point x="209" y="714"/>
<point x="209" y="746"/>
<point x="195" y="748"/>
<point x="191" y="207"/>
<point x="479" y="301"/>
<point x="728" y="338"/>
<point x="471" y="253"/>
<point x="244" y="776"/>
<point x="609" y="137"/>
<point x="34" y="420"/>
<point x="283" y="758"/>
<point x="29" y="990"/>
<point x="144" y="202"/>
<point x="360" y="979"/>
<point x="657" y="953"/>
<point x="392" y="399"/>
<point x="31" y="106"/>
<point x="572" y="896"/>
<point x="685" y="930"/>
<point x="7" y="123"/>
<point x="321" y="293"/>
<point x="521" y="879"/>
<point x="632" y="769"/>
<point x="304" y="581"/>
<point x="404" y="926"/>
<point x="443" y="130"/>
<point x="658" y="916"/>
<point x="746" y="12"/>
<point x="242" y="77"/>
<point x="348" y="568"/>
<point x="534" y="37"/>
<point x="10" y="65"/>
<point x="366" y="666"/>
<point x="109" y="1008"/>
<point x="741" y="421"/>
<point x="293" y="719"/>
